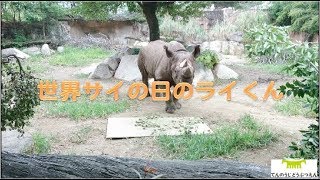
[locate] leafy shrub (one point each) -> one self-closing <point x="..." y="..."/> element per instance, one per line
<point x="269" y="44"/>
<point x="208" y="58"/>
<point x="305" y="67"/>
<point x="19" y="96"/>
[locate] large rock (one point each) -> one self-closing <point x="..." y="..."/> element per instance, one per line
<point x="12" y="141"/>
<point x="202" y="74"/>
<point x="32" y="50"/>
<point x="236" y="48"/>
<point x="128" y="69"/>
<point x="14" y="51"/>
<point x="45" y="50"/>
<point x="140" y="44"/>
<point x="106" y="69"/>
<point x="225" y="48"/>
<point x="88" y="70"/>
<point x="237" y="37"/>
<point x="60" y="49"/>
<point x="223" y="72"/>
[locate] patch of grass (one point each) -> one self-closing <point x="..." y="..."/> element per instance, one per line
<point x="84" y="108"/>
<point x="75" y="57"/>
<point x="81" y="135"/>
<point x="225" y="141"/>
<point x="293" y="106"/>
<point x="271" y="68"/>
<point x="41" y="144"/>
<point x="72" y="56"/>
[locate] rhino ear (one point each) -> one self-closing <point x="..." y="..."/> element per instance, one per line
<point x="168" y="52"/>
<point x="196" y="51"/>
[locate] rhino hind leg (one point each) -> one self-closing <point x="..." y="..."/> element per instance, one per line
<point x="143" y="72"/>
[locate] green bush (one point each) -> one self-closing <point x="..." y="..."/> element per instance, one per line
<point x="208" y="58"/>
<point x="301" y="16"/>
<point x="306" y="68"/>
<point x="19" y="96"/>
<point x="269" y="44"/>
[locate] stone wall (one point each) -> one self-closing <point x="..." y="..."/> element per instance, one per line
<point x="116" y="32"/>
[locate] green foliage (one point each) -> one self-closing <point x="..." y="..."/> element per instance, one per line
<point x="41" y="144"/>
<point x="19" y="96"/>
<point x="173" y="29"/>
<point x="103" y="10"/>
<point x="31" y="11"/>
<point x="302" y="16"/>
<point x="269" y="44"/>
<point x="226" y="140"/>
<point x="306" y="68"/>
<point x="208" y="58"/>
<point x="244" y="20"/>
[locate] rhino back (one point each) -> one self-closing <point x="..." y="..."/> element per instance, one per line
<point x="155" y="61"/>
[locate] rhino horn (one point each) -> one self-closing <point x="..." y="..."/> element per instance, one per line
<point x="183" y="64"/>
<point x="187" y="72"/>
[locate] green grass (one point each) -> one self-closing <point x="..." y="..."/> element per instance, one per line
<point x="225" y="141"/>
<point x="271" y="68"/>
<point x="84" y="108"/>
<point x="293" y="106"/>
<point x="72" y="56"/>
<point x="81" y="135"/>
<point x="41" y="144"/>
<point x="75" y="57"/>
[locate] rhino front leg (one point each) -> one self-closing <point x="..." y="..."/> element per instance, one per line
<point x="170" y="105"/>
<point x="176" y="103"/>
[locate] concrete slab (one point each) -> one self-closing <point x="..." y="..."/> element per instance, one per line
<point x="154" y="126"/>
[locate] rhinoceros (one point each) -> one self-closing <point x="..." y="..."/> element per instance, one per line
<point x="167" y="62"/>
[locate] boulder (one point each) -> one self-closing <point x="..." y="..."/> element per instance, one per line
<point x="32" y="50"/>
<point x="216" y="46"/>
<point x="140" y="44"/>
<point x="225" y="48"/>
<point x="223" y="72"/>
<point x="106" y="69"/>
<point x="12" y="141"/>
<point x="213" y="46"/>
<point x="45" y="50"/>
<point x="128" y="69"/>
<point x="235" y="48"/>
<point x="202" y="74"/>
<point x="88" y="70"/>
<point x="237" y="37"/>
<point x="60" y="49"/>
<point x="14" y="51"/>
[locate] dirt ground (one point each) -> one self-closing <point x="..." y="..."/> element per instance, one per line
<point x="214" y="111"/>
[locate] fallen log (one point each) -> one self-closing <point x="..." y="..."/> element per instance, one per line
<point x="24" y="44"/>
<point x="67" y="166"/>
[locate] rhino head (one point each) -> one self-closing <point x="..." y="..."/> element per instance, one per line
<point x="182" y="64"/>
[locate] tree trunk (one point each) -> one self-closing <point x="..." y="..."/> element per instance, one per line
<point x="149" y="10"/>
<point x="66" y="166"/>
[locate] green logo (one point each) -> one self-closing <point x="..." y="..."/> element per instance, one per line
<point x="294" y="163"/>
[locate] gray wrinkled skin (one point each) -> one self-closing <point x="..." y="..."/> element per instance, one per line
<point x="167" y="62"/>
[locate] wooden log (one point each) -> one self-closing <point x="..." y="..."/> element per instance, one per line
<point x="67" y="166"/>
<point x="24" y="44"/>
